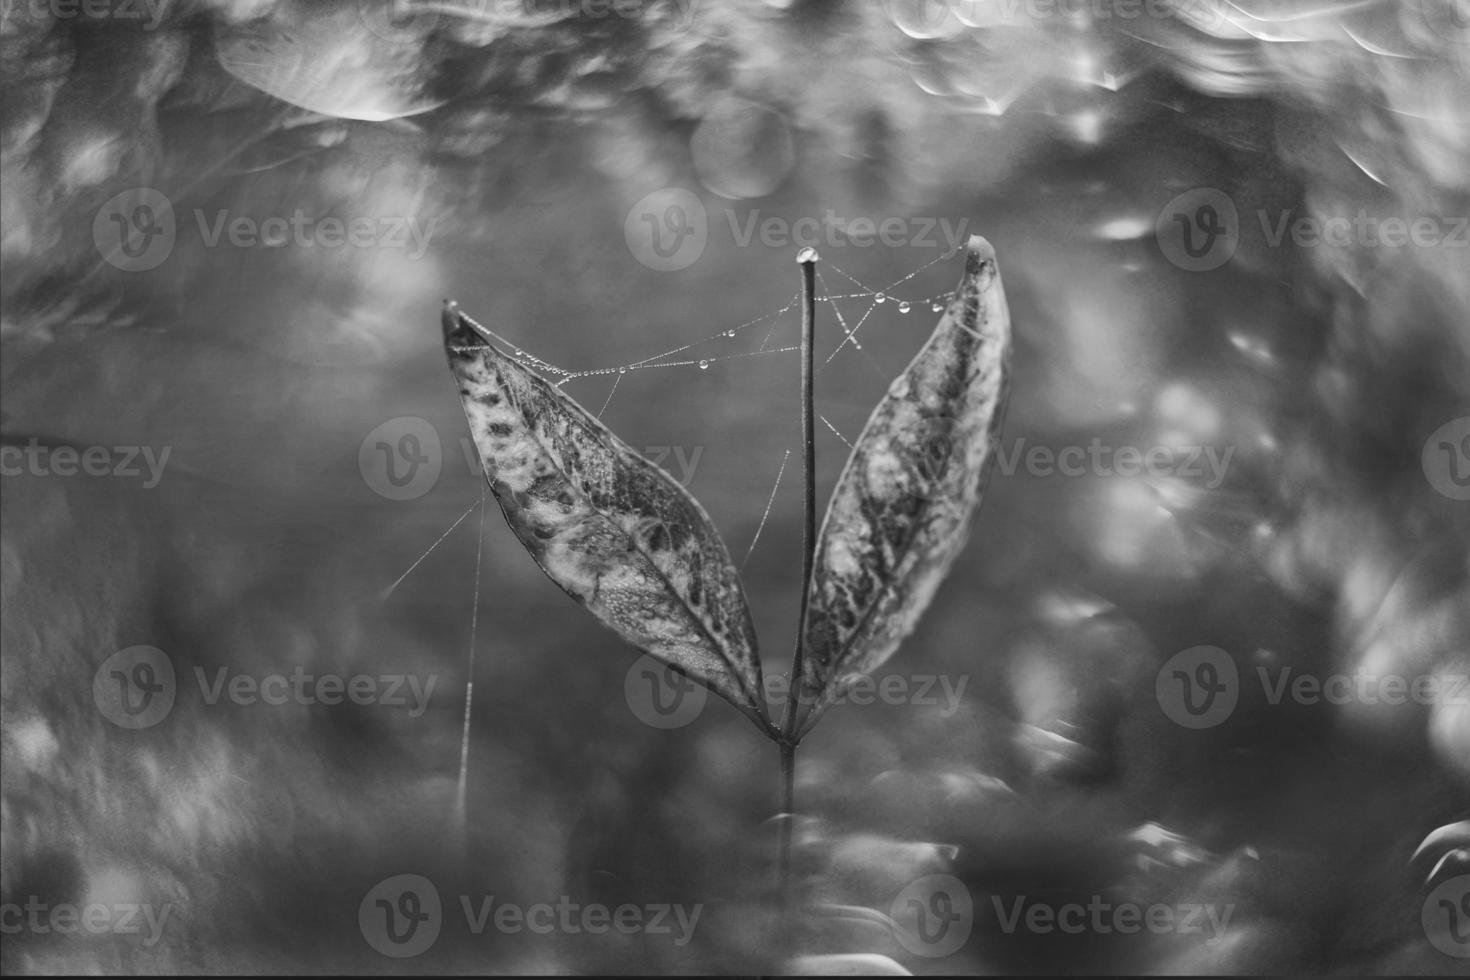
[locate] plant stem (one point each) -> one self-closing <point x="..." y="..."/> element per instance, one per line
<point x="788" y="794"/>
<point x="807" y="259"/>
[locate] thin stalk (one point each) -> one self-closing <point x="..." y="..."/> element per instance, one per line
<point x="807" y="259"/>
<point x="788" y="794"/>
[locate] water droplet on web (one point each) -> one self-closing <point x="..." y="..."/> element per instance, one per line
<point x="904" y="307"/>
<point x="937" y="306"/>
<point x="881" y="298"/>
<point x="807" y="254"/>
<point x="730" y="334"/>
<point x="704" y="365"/>
<point x="623" y="369"/>
<point x="856" y="345"/>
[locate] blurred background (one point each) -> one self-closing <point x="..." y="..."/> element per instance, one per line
<point x="226" y="230"/>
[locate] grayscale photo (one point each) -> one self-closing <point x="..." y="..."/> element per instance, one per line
<point x="735" y="487"/>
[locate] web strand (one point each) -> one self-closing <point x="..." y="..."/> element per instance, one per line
<point x="386" y="593"/>
<point x="767" y="515"/>
<point x="469" y="687"/>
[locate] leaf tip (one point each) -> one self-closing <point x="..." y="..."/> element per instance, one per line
<point x="450" y="319"/>
<point x="978" y="251"/>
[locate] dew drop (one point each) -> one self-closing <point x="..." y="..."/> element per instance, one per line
<point x="704" y="365"/>
<point x="881" y="298"/>
<point x="807" y="254"/>
<point x="730" y="334"/>
<point x="937" y="306"/>
<point x="623" y="369"/>
<point x="904" y="307"/>
<point x="856" y="345"/>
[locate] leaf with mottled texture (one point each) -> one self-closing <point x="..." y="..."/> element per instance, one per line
<point x="613" y="530"/>
<point x="903" y="507"/>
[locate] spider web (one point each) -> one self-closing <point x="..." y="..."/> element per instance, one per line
<point x="863" y="299"/>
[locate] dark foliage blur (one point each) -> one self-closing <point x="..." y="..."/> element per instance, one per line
<point x="522" y="134"/>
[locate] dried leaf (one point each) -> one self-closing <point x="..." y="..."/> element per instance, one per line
<point x="613" y="530"/>
<point x="904" y="504"/>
